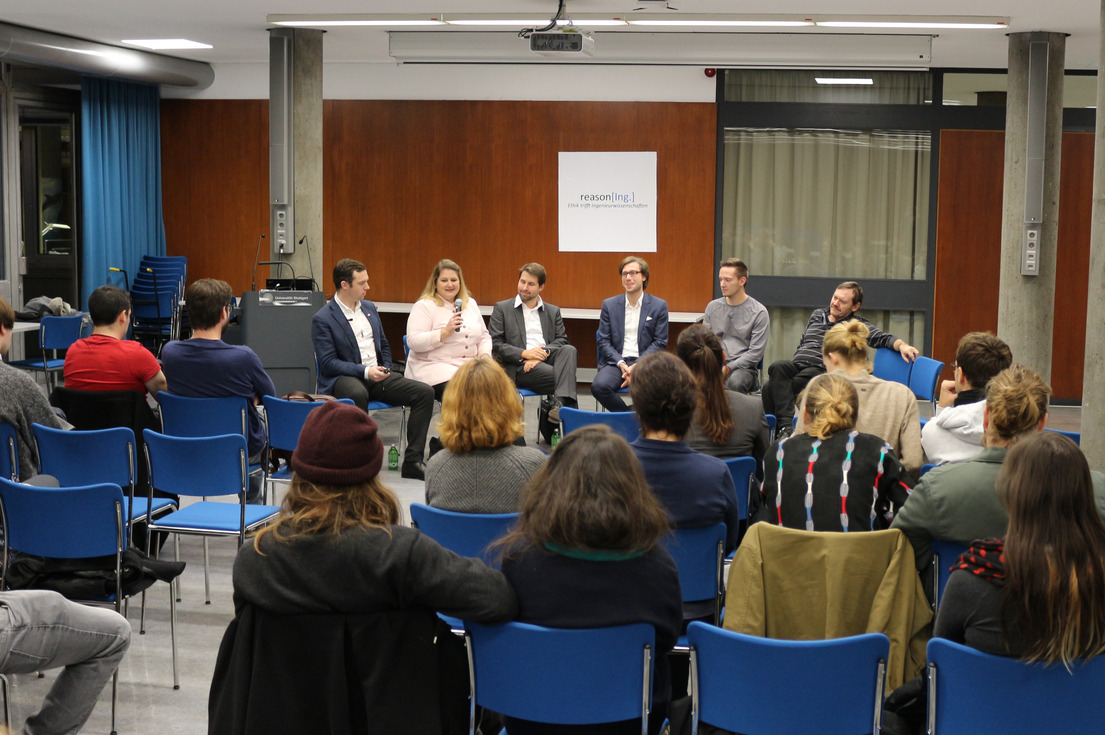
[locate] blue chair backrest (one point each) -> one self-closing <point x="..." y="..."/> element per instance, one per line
<point x="64" y="523"/>
<point x="208" y="465"/>
<point x="1074" y="436"/>
<point x="183" y="416"/>
<point x="79" y="457"/>
<point x="698" y="553"/>
<point x="841" y="682"/>
<point x="743" y="470"/>
<point x="926" y="467"/>
<point x="944" y="554"/>
<point x="59" y="332"/>
<point x="924" y="377"/>
<point x="9" y="452"/>
<point x="286" y="419"/>
<point x="772" y="422"/>
<point x="567" y="677"/>
<point x="889" y="365"/>
<point x="467" y="534"/>
<point x="1018" y="698"/>
<point x="624" y="423"/>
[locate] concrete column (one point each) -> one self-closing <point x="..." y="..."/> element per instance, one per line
<point x="1093" y="378"/>
<point x="1026" y="302"/>
<point x="295" y="111"/>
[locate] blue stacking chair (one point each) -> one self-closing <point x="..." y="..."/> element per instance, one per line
<point x="1019" y="697"/>
<point x="372" y="406"/>
<point x="944" y="554"/>
<point x="285" y="420"/>
<point x="772" y="424"/>
<point x="198" y="417"/>
<point x="73" y="523"/>
<point x="889" y="365"/>
<point x="841" y="682"/>
<point x="9" y="452"/>
<point x="699" y="554"/>
<point x="204" y="466"/>
<point x="54" y="333"/>
<point x="467" y="534"/>
<point x="565" y="677"/>
<point x="926" y="467"/>
<point x="924" y="377"/>
<point x="743" y="470"/>
<point x="624" y="423"/>
<point x="1074" y="436"/>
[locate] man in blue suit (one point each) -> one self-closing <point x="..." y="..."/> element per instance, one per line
<point x="631" y="326"/>
<point x="354" y="360"/>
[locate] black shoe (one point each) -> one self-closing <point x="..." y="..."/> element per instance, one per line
<point x="413" y="471"/>
<point x="554" y="405"/>
<point x="783" y="433"/>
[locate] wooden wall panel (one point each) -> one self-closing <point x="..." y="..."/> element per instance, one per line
<point x="407" y="183"/>
<point x="968" y="238"/>
<point x="215" y="185"/>
<point x="1068" y="347"/>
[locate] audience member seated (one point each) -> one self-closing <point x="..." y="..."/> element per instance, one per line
<point x="444" y="329"/>
<point x="954" y="433"/>
<point x="338" y="558"/>
<point x="832" y="477"/>
<point x="480" y="470"/>
<point x="106" y="360"/>
<point x="725" y="423"/>
<point x="206" y="367"/>
<point x="958" y="502"/>
<point x="42" y="630"/>
<point x="695" y="489"/>
<point x="886" y="409"/>
<point x="1037" y="594"/>
<point x="586" y="553"/>
<point x="23" y="404"/>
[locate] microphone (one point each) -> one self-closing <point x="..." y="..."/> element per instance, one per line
<point x="457" y="305"/>
<point x="256" y="257"/>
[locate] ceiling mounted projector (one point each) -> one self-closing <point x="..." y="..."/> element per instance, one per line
<point x="559" y="44"/>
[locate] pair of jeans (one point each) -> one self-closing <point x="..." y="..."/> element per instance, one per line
<point x="39" y="630"/>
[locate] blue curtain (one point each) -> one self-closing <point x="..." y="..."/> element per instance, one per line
<point x="120" y="179"/>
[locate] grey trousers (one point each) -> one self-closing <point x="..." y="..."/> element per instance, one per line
<point x="555" y="376"/>
<point x="42" y="630"/>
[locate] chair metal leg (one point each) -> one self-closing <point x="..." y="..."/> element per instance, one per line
<point x="142" y="615"/>
<point x="206" y="575"/>
<point x="4" y="687"/>
<point x="114" y="699"/>
<point x="172" y="635"/>
<point x="176" y="550"/>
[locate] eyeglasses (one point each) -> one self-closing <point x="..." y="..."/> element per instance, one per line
<point x="954" y="365"/>
<point x="630" y="273"/>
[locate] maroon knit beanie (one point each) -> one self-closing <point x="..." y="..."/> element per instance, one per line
<point x="338" y="446"/>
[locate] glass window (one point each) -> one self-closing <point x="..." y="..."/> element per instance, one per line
<point x="788" y="323"/>
<point x="989" y="89"/>
<point x="801" y="85"/>
<point x="820" y="202"/>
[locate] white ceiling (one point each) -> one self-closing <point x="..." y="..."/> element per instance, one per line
<point x="237" y="28"/>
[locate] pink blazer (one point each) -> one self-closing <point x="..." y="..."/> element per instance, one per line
<point x="433" y="360"/>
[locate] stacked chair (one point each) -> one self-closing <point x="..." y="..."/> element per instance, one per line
<point x="156" y="296"/>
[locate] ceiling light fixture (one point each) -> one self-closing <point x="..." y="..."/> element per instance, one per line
<point x="916" y="23"/>
<point x="717" y="21"/>
<point x="166" y="44"/>
<point x="844" y="80"/>
<point x="354" y="19"/>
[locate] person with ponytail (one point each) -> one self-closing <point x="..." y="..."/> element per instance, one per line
<point x="1039" y="593"/>
<point x="886" y="409"/>
<point x="725" y="423"/>
<point x="832" y="477"/>
<point x="958" y="502"/>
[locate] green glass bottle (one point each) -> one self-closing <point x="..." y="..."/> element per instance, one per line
<point x="555" y="438"/>
<point x="393" y="458"/>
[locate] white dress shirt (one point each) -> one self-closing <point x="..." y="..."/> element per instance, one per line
<point x="362" y="330"/>
<point x="632" y="322"/>
<point x="535" y="336"/>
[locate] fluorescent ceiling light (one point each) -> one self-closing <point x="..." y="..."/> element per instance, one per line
<point x="933" y="24"/>
<point x="164" y="44"/>
<point x="715" y="22"/>
<point x="843" y="80"/>
<point x="354" y="19"/>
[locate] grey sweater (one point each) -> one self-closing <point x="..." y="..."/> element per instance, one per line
<point x="482" y="480"/>
<point x="22" y="406"/>
<point x="742" y="330"/>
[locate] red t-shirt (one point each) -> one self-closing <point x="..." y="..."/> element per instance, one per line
<point x="101" y="362"/>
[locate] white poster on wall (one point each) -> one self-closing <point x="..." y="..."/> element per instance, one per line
<point x="607" y="202"/>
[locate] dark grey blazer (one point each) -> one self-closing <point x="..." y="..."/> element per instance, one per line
<point x="508" y="332"/>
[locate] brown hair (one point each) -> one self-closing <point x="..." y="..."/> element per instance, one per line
<point x="206" y="299"/>
<point x="855" y="288"/>
<point x="344" y="270"/>
<point x="534" y="269"/>
<point x="832" y="404"/>
<point x="591" y="494"/>
<point x="1017" y="398"/>
<point x="664" y="393"/>
<point x="311" y="509"/>
<point x="641" y="263"/>
<point x="981" y="356"/>
<point x="737" y="263"/>
<point x="701" y="350"/>
<point x="849" y="341"/>
<point x="480" y="408"/>
<point x="1054" y="551"/>
<point x="430" y="292"/>
<point x="106" y="303"/>
<point x="7" y="314"/>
